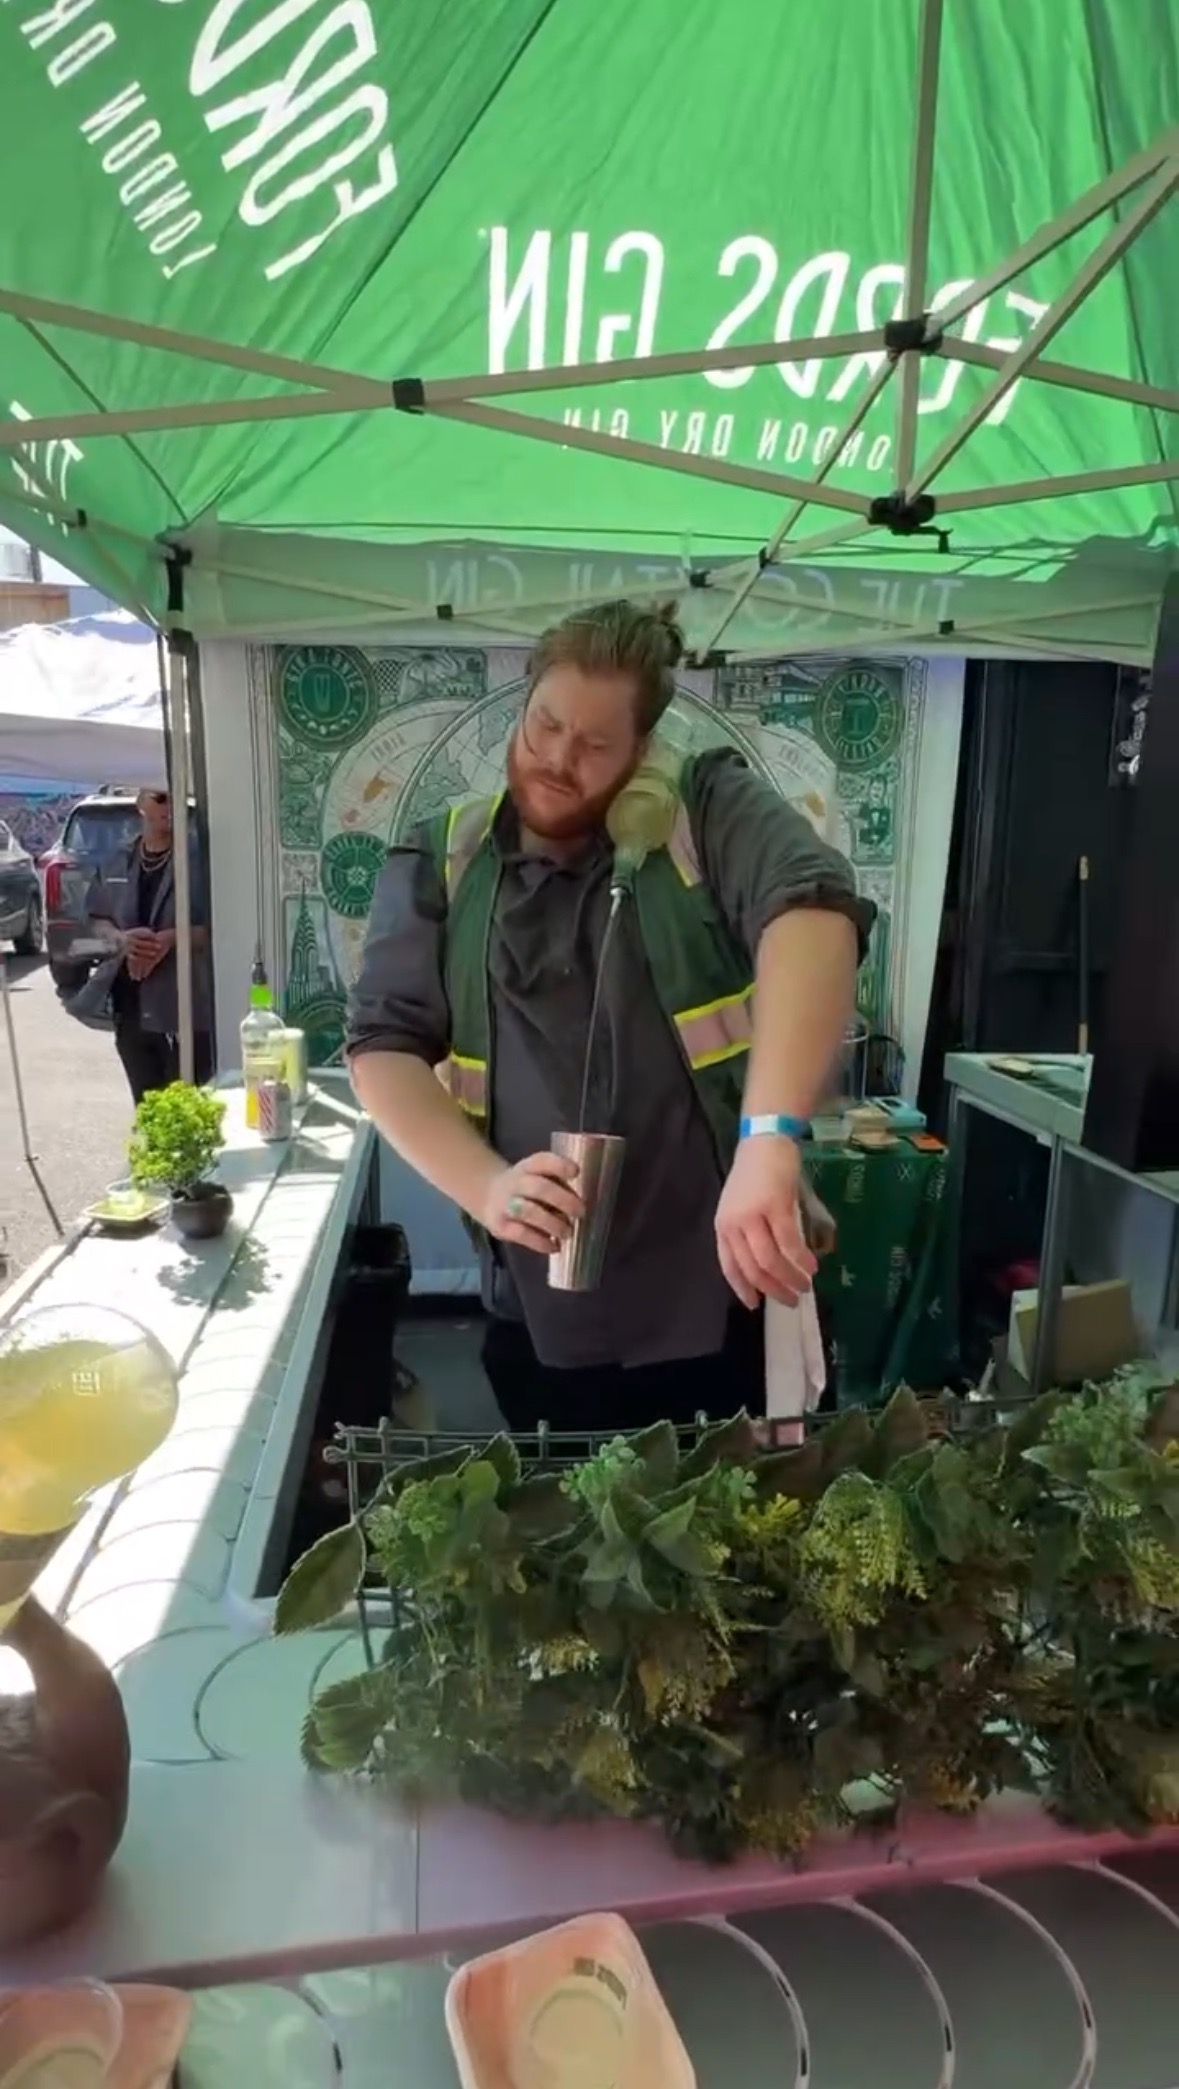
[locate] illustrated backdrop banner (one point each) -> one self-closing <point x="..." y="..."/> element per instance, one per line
<point x="364" y="744"/>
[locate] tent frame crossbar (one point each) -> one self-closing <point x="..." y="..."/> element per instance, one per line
<point x="466" y="398"/>
<point x="575" y="376"/>
<point x="70" y="517"/>
<point x="398" y="608"/>
<point x="1092" y="271"/>
<point x="966" y="636"/>
<point x="257" y="362"/>
<point x="510" y="617"/>
<point x="1065" y="225"/>
<point x="567" y="435"/>
<point x="1162" y="398"/>
<point x="747" y="575"/>
<point x="929" y="45"/>
<point x="340" y="392"/>
<point x="901" y="345"/>
<point x="350" y="397"/>
<point x="360" y="395"/>
<point x="1112" y="481"/>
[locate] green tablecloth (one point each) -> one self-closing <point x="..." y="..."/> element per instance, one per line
<point x="888" y="1292"/>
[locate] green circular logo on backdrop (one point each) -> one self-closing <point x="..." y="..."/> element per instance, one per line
<point x="858" y="719"/>
<point x="327" y="696"/>
<point x="349" y="869"/>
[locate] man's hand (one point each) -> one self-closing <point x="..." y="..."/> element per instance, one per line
<point x="758" y="1226"/>
<point x="137" y="945"/>
<point x="532" y="1205"/>
<point x="144" y="948"/>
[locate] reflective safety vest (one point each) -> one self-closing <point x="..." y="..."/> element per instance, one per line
<point x="702" y="978"/>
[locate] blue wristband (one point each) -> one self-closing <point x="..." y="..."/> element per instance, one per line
<point x="775" y="1128"/>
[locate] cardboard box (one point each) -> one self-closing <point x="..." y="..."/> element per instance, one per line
<point x="1095" y="1332"/>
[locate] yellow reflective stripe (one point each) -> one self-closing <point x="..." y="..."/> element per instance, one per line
<point x="465" y="1081"/>
<point x="718" y="1029"/>
<point x="681" y="847"/>
<point x="467" y="827"/>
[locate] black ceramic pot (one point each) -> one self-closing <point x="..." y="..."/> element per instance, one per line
<point x="203" y="1213"/>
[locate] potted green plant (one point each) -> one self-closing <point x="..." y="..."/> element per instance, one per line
<point x="175" y="1142"/>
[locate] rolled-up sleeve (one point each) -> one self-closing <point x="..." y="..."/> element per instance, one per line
<point x="398" y="1003"/>
<point x="761" y="858"/>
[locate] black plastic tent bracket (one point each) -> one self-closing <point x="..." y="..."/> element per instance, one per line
<point x="903" y="336"/>
<point x="176" y="558"/>
<point x="903" y="515"/>
<point x="409" y="395"/>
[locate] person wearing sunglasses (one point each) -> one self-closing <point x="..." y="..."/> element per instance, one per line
<point x="722" y="997"/>
<point x="132" y="903"/>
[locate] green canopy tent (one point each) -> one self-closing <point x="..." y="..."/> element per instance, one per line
<point x="727" y="283"/>
<point x="293" y="290"/>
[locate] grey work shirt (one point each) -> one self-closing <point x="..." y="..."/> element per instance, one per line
<point x="662" y="1296"/>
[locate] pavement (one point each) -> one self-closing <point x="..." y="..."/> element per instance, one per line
<point x="79" y="1110"/>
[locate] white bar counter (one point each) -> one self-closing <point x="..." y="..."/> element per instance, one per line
<point x="238" y="1866"/>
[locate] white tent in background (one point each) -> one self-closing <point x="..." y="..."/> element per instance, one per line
<point x="80" y="705"/>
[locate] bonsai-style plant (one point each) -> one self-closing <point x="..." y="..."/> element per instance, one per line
<point x="177" y="1136"/>
<point x="750" y="1648"/>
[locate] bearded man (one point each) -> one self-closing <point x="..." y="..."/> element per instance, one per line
<point x="726" y="989"/>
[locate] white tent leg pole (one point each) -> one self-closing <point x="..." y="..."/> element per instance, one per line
<point x="176" y="727"/>
<point x="917" y="244"/>
<point x="1090" y="274"/>
<point x="1054" y="234"/>
<point x="22" y="1115"/>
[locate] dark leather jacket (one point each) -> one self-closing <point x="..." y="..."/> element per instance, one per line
<point x="114" y="896"/>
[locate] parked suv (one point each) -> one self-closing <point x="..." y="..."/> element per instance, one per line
<point x="22" y="919"/>
<point x="95" y="830"/>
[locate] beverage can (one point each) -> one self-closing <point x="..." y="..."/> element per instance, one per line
<point x="295" y="1064"/>
<point x="274" y="1110"/>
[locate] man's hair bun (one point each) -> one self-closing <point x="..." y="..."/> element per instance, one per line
<point x="619" y="638"/>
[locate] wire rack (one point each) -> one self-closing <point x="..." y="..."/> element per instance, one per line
<point x="369" y="1455"/>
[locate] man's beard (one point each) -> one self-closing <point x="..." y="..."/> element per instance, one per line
<point x="559" y="818"/>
